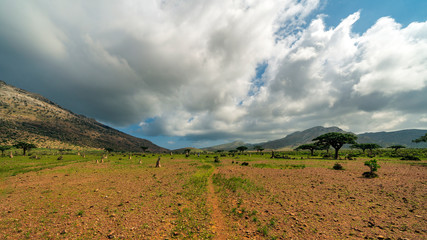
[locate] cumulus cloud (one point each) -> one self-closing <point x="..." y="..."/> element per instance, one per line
<point x="191" y="68"/>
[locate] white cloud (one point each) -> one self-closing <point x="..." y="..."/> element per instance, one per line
<point x="189" y="66"/>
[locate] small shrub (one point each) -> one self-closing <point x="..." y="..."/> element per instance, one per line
<point x="373" y="166"/>
<point x="216" y="159"/>
<point x="245" y="164"/>
<point x="338" y="166"/>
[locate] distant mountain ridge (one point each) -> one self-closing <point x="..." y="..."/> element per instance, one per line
<point x="297" y="138"/>
<point x="227" y="146"/>
<point x="29" y="117"/>
<point x="384" y="139"/>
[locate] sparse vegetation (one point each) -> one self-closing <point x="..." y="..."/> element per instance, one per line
<point x="338" y="166"/>
<point x="373" y="167"/>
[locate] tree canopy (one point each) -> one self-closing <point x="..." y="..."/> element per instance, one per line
<point x="4" y="148"/>
<point x="364" y="146"/>
<point x="25" y="146"/>
<point x="397" y="147"/>
<point x="242" y="148"/>
<point x="336" y="140"/>
<point x="309" y="146"/>
<point x="259" y="148"/>
<point x="420" y="139"/>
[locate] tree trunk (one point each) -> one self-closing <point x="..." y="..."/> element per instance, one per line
<point x="336" y="153"/>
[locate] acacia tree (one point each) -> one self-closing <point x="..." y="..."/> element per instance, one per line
<point x="397" y="147"/>
<point x="242" y="148"/>
<point x="364" y="146"/>
<point x="336" y="140"/>
<point x="420" y="139"/>
<point x="144" y="148"/>
<point x="259" y="148"/>
<point x="310" y="146"/>
<point x="25" y="146"/>
<point x="4" y="148"/>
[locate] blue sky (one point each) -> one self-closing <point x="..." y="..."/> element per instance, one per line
<point x="403" y="11"/>
<point x="200" y="73"/>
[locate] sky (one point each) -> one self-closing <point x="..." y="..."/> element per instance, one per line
<point x="200" y="73"/>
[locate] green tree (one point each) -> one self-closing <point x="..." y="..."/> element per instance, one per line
<point x="420" y="139"/>
<point x="336" y="140"/>
<point x="4" y="148"/>
<point x="309" y="146"/>
<point x="109" y="150"/>
<point x="397" y="147"/>
<point x="364" y="146"/>
<point x="259" y="148"/>
<point x="144" y="148"/>
<point x="242" y="148"/>
<point x="25" y="146"/>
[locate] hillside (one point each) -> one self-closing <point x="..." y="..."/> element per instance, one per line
<point x="386" y="139"/>
<point x="29" y="117"/>
<point x="297" y="138"/>
<point x="228" y="146"/>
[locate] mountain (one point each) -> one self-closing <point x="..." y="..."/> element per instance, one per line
<point x="386" y="139"/>
<point x="297" y="138"/>
<point x="182" y="150"/>
<point x="227" y="146"/>
<point x="29" y="117"/>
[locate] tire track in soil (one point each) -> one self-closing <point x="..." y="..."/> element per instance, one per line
<point x="218" y="221"/>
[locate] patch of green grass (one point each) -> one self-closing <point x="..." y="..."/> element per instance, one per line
<point x="235" y="183"/>
<point x="80" y="213"/>
<point x="193" y="221"/>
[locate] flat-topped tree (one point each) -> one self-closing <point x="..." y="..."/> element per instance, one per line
<point x="364" y="146"/>
<point x="420" y="139"/>
<point x="397" y="147"/>
<point x="259" y="148"/>
<point x="309" y="146"/>
<point x="336" y="140"/>
<point x="242" y="148"/>
<point x="25" y="146"/>
<point x="144" y="148"/>
<point x="4" y="148"/>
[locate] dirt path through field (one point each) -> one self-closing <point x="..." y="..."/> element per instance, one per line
<point x="218" y="221"/>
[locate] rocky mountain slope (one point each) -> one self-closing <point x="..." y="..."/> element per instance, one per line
<point x="29" y="117"/>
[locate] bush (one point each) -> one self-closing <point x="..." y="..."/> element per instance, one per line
<point x="373" y="166"/>
<point x="338" y="166"/>
<point x="409" y="157"/>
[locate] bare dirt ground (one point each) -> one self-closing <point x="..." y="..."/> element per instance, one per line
<point x="218" y="221"/>
<point x="128" y="200"/>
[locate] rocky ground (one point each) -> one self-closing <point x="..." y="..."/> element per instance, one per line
<point x="198" y="199"/>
